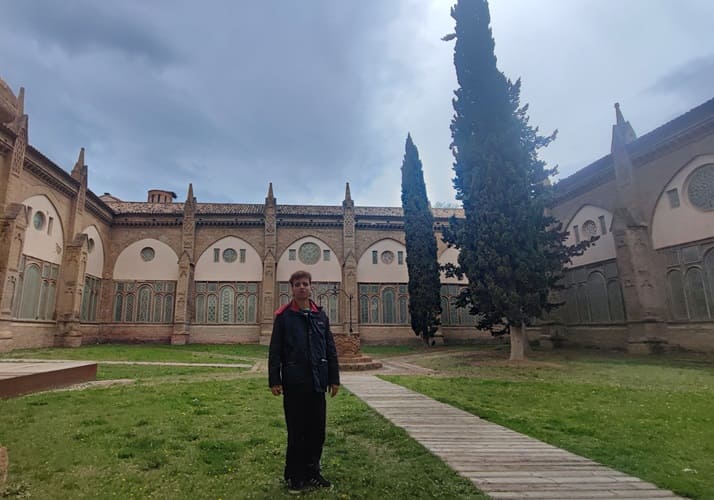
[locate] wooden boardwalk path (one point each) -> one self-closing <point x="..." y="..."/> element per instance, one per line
<point x="500" y="462"/>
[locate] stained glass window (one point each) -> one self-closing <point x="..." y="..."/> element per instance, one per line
<point x="701" y="187"/>
<point x="147" y="254"/>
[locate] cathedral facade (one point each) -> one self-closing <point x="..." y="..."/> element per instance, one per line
<point x="79" y="268"/>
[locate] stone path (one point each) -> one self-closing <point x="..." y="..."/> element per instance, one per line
<point x="500" y="462"/>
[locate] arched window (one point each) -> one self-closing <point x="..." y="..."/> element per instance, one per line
<point x="252" y="308"/>
<point x="118" y="303"/>
<point x="403" y="310"/>
<point x="211" y="309"/>
<point x="388" y="311"/>
<point x="158" y="308"/>
<point x="363" y="309"/>
<point x="374" y="310"/>
<point x="675" y="289"/>
<point x="226" y="307"/>
<point x="236" y="302"/>
<point x="709" y="270"/>
<point x="30" y="292"/>
<point x="44" y="291"/>
<point x="696" y="297"/>
<point x="169" y="309"/>
<point x="144" y="309"/>
<point x="583" y="311"/>
<point x="614" y="297"/>
<point x="240" y="309"/>
<point x="597" y="297"/>
<point x="129" y="310"/>
<point x="200" y="309"/>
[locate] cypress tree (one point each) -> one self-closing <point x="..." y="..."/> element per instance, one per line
<point x="422" y="265"/>
<point x="511" y="250"/>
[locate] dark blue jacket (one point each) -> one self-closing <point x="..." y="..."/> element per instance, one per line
<point x="302" y="355"/>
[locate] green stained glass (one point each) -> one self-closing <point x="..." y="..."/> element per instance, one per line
<point x="158" y="308"/>
<point x="211" y="309"/>
<point x="169" y="309"/>
<point x="201" y="309"/>
<point x="118" y="302"/>
<point x="240" y="309"/>
<point x="129" y="311"/>
<point x="251" y="315"/>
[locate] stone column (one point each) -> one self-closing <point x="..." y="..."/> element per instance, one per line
<point x="12" y="164"/>
<point x="268" y="295"/>
<point x="69" y="291"/>
<point x="349" y="266"/>
<point x="183" y="312"/>
<point x="74" y="263"/>
<point x="637" y="262"/>
<point x="12" y="214"/>
<point x="12" y="234"/>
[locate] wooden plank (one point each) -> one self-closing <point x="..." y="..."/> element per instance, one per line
<point x="500" y="462"/>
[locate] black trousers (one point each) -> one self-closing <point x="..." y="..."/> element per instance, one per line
<point x="305" y="419"/>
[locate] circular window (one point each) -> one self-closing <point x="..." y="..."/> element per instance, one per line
<point x="387" y="256"/>
<point x="589" y="228"/>
<point x="701" y="187"/>
<point x="229" y="255"/>
<point x="309" y="253"/>
<point x="90" y="245"/>
<point x="147" y="254"/>
<point x="38" y="220"/>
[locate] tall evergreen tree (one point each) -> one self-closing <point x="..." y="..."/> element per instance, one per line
<point x="511" y="250"/>
<point x="422" y="265"/>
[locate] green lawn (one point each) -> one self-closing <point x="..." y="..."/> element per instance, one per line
<point x="192" y="353"/>
<point x="177" y="435"/>
<point x="652" y="417"/>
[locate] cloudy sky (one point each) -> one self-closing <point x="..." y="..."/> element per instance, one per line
<point x="234" y="94"/>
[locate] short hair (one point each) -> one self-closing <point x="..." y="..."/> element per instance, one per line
<point x="300" y="275"/>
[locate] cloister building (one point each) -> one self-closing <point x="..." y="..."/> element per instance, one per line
<point x="79" y="268"/>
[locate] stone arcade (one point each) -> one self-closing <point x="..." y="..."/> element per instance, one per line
<point x="80" y="268"/>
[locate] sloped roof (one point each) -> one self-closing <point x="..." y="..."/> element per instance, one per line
<point x="602" y="169"/>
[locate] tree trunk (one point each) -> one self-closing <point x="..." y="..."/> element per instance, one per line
<point x="519" y="342"/>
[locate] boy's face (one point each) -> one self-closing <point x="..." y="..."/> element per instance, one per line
<point x="301" y="288"/>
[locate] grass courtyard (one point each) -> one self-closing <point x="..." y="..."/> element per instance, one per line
<point x="201" y="432"/>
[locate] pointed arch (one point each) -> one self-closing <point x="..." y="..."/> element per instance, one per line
<point x="215" y="264"/>
<point x="95" y="251"/>
<point x="44" y="235"/>
<point x="130" y="265"/>
<point x="383" y="262"/>
<point x="313" y="255"/>
<point x="591" y="220"/>
<point x="675" y="220"/>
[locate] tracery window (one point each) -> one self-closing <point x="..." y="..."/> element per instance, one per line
<point x="323" y="294"/>
<point x="35" y="289"/>
<point x="90" y="298"/>
<point x="450" y="314"/>
<point x="144" y="301"/>
<point x="690" y="281"/>
<point x="226" y="302"/>
<point x="383" y="304"/>
<point x="593" y="295"/>
<point x="701" y="187"/>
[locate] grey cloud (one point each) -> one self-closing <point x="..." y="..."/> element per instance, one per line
<point x="79" y="26"/>
<point x="693" y="79"/>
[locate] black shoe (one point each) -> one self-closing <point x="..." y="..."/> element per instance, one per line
<point x="296" y="487"/>
<point x="317" y="481"/>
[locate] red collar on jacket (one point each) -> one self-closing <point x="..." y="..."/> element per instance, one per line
<point x="292" y="305"/>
